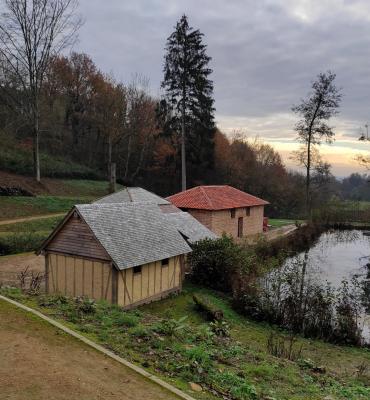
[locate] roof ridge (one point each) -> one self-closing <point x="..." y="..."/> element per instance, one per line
<point x="206" y="195"/>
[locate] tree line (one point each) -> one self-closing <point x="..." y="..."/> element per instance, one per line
<point x="65" y="107"/>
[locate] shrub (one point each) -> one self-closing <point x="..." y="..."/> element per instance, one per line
<point x="84" y="305"/>
<point x="281" y="347"/>
<point x="220" y="328"/>
<point x="139" y="331"/>
<point x="214" y="263"/>
<point x="125" y="319"/>
<point x="170" y="327"/>
<point x="20" y="242"/>
<point x="237" y="386"/>
<point x="287" y="297"/>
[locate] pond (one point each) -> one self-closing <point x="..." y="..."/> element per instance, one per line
<point x="341" y="255"/>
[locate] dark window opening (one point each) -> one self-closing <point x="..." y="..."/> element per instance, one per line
<point x="232" y="213"/>
<point x="137" y="269"/>
<point x="240" y="227"/>
<point x="248" y="211"/>
<point x="165" y="262"/>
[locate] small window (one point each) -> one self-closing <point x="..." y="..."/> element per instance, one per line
<point x="232" y="213"/>
<point x="165" y="262"/>
<point x="137" y="269"/>
<point x="248" y="211"/>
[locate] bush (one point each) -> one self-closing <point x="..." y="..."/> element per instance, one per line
<point x="214" y="263"/>
<point x="21" y="242"/>
<point x="287" y="297"/>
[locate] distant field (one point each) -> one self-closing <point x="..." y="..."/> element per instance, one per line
<point x="25" y="236"/>
<point x="278" y="223"/>
<point x="19" y="206"/>
<point x="37" y="225"/>
<point x="53" y="195"/>
<point x="360" y="205"/>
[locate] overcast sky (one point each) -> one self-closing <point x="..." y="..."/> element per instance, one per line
<point x="264" y="53"/>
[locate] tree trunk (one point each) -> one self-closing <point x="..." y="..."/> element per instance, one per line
<point x="308" y="178"/>
<point x="36" y="154"/>
<point x="112" y="182"/>
<point x="109" y="157"/>
<point x="183" y="152"/>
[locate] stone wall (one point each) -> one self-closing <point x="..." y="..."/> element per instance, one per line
<point x="252" y="224"/>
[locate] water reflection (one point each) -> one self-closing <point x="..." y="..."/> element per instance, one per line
<point x="337" y="256"/>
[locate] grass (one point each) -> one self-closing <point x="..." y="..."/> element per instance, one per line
<point x="28" y="235"/>
<point x="278" y="223"/>
<point x="25" y="236"/>
<point x="81" y="187"/>
<point x="361" y="205"/>
<point x="173" y="340"/>
<point x="19" y="159"/>
<point x="19" y="206"/>
<point x="36" y="225"/>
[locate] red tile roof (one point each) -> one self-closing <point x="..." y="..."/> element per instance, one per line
<point x="214" y="198"/>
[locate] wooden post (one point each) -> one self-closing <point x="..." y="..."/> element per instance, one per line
<point x="47" y="272"/>
<point x="112" y="178"/>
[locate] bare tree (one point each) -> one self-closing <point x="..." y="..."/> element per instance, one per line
<point x="363" y="160"/>
<point x="31" y="32"/>
<point x="315" y="111"/>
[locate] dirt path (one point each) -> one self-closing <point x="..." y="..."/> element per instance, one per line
<point x="11" y="266"/>
<point x="39" y="362"/>
<point x="25" y="219"/>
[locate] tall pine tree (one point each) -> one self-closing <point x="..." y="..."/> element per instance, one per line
<point x="189" y="98"/>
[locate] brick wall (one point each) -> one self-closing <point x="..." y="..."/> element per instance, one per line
<point x="221" y="222"/>
<point x="203" y="216"/>
<point x="252" y="224"/>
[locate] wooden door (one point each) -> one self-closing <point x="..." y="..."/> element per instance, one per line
<point x="240" y="227"/>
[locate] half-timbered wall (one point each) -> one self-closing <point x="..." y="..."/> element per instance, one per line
<point x="75" y="276"/>
<point x="153" y="282"/>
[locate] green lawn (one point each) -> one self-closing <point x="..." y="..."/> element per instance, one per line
<point x="361" y="205"/>
<point x="173" y="340"/>
<point x="278" y="223"/>
<point x="20" y="206"/>
<point x="84" y="187"/>
<point x="36" y="225"/>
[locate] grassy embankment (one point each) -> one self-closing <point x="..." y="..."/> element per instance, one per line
<point x="173" y="340"/>
<point x="27" y="235"/>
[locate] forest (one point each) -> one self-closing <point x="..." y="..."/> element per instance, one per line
<point x="63" y="117"/>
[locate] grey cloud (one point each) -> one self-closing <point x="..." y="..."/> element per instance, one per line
<point x="264" y="55"/>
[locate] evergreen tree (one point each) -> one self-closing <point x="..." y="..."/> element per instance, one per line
<point x="189" y="97"/>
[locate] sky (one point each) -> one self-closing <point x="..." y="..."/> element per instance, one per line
<point x="265" y="55"/>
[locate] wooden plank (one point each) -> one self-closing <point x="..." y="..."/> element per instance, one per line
<point x="47" y="272"/>
<point x="70" y="276"/>
<point x="76" y="237"/>
<point x="113" y="284"/>
<point x="144" y="280"/>
<point x="52" y="272"/>
<point x="88" y="278"/>
<point x="79" y="277"/>
<point x="61" y="274"/>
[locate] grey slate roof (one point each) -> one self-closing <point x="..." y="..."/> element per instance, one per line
<point x="133" y="233"/>
<point x="132" y="195"/>
<point x="189" y="226"/>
